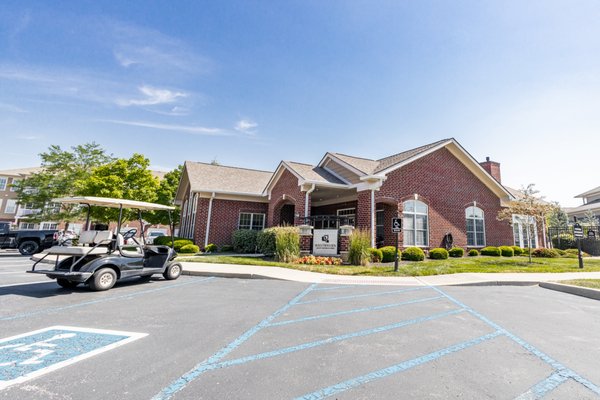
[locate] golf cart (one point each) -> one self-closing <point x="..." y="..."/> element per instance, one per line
<point x="102" y="257"/>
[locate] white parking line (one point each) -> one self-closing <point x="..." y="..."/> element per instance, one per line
<point x="25" y="283"/>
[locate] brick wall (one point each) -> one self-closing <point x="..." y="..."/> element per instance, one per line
<point x="287" y="185"/>
<point x="447" y="187"/>
<point x="225" y="216"/>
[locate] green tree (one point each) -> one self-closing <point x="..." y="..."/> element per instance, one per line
<point x="60" y="169"/>
<point x="557" y="218"/>
<point x="166" y="195"/>
<point x="122" y="179"/>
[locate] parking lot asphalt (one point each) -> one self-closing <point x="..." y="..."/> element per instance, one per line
<point x="207" y="338"/>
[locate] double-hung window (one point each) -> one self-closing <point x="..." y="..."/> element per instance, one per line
<point x="525" y="231"/>
<point x="416" y="223"/>
<point x="475" y="226"/>
<point x="3" y="181"/>
<point x="253" y="221"/>
<point x="11" y="206"/>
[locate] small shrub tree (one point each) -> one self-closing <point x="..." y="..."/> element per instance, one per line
<point x="265" y="241"/>
<point x="506" y="251"/>
<point x="189" y="249"/>
<point x="388" y="253"/>
<point x="473" y="253"/>
<point x="413" y="254"/>
<point x="456" y="252"/>
<point x="376" y="255"/>
<point x="438" y="254"/>
<point x="244" y="241"/>
<point x="491" y="251"/>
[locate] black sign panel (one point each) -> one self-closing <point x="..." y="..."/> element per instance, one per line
<point x="577" y="231"/>
<point x="591" y="234"/>
<point x="396" y="225"/>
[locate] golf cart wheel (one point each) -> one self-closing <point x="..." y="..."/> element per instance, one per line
<point x="67" y="284"/>
<point x="28" y="248"/>
<point x="103" y="279"/>
<point x="173" y="271"/>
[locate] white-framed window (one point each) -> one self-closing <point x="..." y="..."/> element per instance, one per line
<point x="3" y="182"/>
<point x="416" y="223"/>
<point x="11" y="206"/>
<point x="521" y="223"/>
<point x="349" y="213"/>
<point x="53" y="207"/>
<point x="475" y="226"/>
<point x="14" y="182"/>
<point x="254" y="221"/>
<point x="48" y="226"/>
<point x="27" y="225"/>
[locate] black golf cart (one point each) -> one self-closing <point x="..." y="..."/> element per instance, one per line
<point x="103" y="257"/>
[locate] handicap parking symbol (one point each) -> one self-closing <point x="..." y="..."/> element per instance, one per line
<point x="32" y="354"/>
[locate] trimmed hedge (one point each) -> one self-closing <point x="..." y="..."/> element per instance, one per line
<point x="564" y="241"/>
<point x="413" y="254"/>
<point x="572" y="253"/>
<point x="560" y="252"/>
<point x="244" y="241"/>
<point x="376" y="255"/>
<point x="473" y="253"/>
<point x="491" y="251"/>
<point x="266" y="241"/>
<point x="189" y="249"/>
<point x="178" y="244"/>
<point x="165" y="240"/>
<point x="438" y="254"/>
<point x="457" y="252"/>
<point x="517" y="250"/>
<point x="545" y="253"/>
<point x="226" y="248"/>
<point x="506" y="251"/>
<point x="210" y="248"/>
<point x="388" y="253"/>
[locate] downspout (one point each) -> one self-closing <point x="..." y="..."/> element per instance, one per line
<point x="372" y="217"/>
<point x="208" y="218"/>
<point x="308" y="192"/>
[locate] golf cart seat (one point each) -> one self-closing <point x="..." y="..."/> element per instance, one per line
<point x="76" y="250"/>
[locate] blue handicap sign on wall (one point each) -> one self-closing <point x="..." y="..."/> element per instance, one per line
<point x="32" y="354"/>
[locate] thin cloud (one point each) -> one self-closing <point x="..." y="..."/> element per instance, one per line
<point x="246" y="126"/>
<point x="190" y="129"/>
<point x="28" y="137"/>
<point x="154" y="96"/>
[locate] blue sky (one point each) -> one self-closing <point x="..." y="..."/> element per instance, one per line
<point x="251" y="83"/>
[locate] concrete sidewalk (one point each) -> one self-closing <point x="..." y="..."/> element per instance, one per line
<point x="257" y="272"/>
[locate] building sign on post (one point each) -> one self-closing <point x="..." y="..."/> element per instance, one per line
<point x="325" y="242"/>
<point x="396" y="225"/>
<point x="577" y="231"/>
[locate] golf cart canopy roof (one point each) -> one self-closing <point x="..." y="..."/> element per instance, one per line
<point x="113" y="203"/>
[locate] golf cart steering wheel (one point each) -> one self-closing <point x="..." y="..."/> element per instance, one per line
<point x="129" y="234"/>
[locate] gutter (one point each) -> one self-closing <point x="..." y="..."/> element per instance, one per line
<point x="208" y="218"/>
<point x="308" y="192"/>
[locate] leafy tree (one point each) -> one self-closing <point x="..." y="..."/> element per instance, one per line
<point x="557" y="218"/>
<point x="166" y="195"/>
<point x="122" y="179"/>
<point x="532" y="207"/>
<point x="60" y="170"/>
<point x="589" y="219"/>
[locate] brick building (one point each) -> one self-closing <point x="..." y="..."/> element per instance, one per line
<point x="438" y="189"/>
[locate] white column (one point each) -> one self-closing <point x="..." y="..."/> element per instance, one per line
<point x="208" y="219"/>
<point x="372" y="217"/>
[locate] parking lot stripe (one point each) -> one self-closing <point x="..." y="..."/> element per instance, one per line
<point x="544" y="387"/>
<point x="87" y="303"/>
<point x="394" y="369"/>
<point x="363" y="295"/>
<point x="560" y="368"/>
<point x="317" y="343"/>
<point x="356" y="310"/>
<point x="319" y="289"/>
<point x="25" y="283"/>
<point x="200" y="368"/>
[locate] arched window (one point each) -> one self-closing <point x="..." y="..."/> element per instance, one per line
<point x="475" y="226"/>
<point x="416" y="223"/>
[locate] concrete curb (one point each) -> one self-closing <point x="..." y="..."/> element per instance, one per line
<point x="235" y="275"/>
<point x="576" y="290"/>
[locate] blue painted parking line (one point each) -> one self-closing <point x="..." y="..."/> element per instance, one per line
<point x="320" y="289"/>
<point x="544" y="387"/>
<point x="32" y="354"/>
<point x="394" y="369"/>
<point x="356" y="310"/>
<point x="357" y="296"/>
<point x="199" y="369"/>
<point x="102" y="300"/>
<point x="558" y="367"/>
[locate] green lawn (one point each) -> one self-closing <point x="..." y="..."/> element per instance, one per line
<point x="427" y="267"/>
<point x="589" y="283"/>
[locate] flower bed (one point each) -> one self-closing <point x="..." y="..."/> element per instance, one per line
<point x="312" y="260"/>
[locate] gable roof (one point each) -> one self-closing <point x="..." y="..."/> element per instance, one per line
<point x="589" y="192"/>
<point x="20" y="171"/>
<point x="223" y="179"/>
<point x="312" y="173"/>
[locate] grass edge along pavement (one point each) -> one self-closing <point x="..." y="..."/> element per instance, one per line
<point x="480" y="264"/>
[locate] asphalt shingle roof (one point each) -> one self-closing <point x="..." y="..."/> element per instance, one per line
<point x="218" y="178"/>
<point x="313" y="173"/>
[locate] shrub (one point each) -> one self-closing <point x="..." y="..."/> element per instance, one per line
<point x="572" y="253"/>
<point x="491" y="251"/>
<point x="457" y="252"/>
<point x="560" y="252"/>
<point x="358" y="253"/>
<point x="413" y="254"/>
<point x="473" y="253"/>
<point x="564" y="241"/>
<point x="265" y="241"/>
<point x="165" y="240"/>
<point x="506" y="251"/>
<point x="226" y="248"/>
<point x="178" y="244"/>
<point x="210" y="248"/>
<point x="545" y="253"/>
<point x="287" y="243"/>
<point x="244" y="241"/>
<point x="189" y="249"/>
<point x="312" y="260"/>
<point x="376" y="255"/>
<point x="388" y="253"/>
<point x="517" y="250"/>
<point x="438" y="254"/>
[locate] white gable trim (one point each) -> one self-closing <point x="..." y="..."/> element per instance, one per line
<point x="341" y="178"/>
<point x="342" y="163"/>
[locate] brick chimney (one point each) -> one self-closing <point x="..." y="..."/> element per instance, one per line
<point x="493" y="168"/>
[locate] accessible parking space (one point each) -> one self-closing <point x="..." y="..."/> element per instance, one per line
<point x="206" y="338"/>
